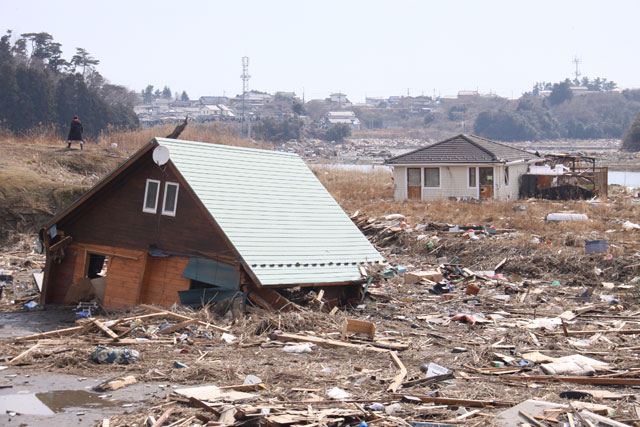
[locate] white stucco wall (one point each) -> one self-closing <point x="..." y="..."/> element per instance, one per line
<point x="454" y="182"/>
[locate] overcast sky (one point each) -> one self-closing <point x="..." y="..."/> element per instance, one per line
<point x="362" y="48"/>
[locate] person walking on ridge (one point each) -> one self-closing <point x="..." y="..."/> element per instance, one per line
<point x="75" y="132"/>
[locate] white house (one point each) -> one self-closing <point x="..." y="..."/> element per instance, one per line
<point x="464" y="166"/>
<point x="343" y="117"/>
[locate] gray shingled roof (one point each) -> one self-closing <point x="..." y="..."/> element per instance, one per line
<point x="463" y="149"/>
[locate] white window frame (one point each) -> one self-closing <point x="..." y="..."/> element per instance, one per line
<point x="146" y="191"/>
<point x="164" y="199"/>
<point x="476" y="169"/>
<point x="506" y="176"/>
<point x="424" y="178"/>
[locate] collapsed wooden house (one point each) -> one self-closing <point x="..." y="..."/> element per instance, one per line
<point x="565" y="177"/>
<point x="182" y="221"/>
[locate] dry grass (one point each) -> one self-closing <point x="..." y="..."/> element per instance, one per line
<point x="371" y="192"/>
<point x="125" y="142"/>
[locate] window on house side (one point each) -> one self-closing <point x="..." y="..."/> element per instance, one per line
<point x="432" y="177"/>
<point x="170" y="199"/>
<point x="472" y="177"/>
<point x="506" y="175"/>
<point x="151" y="196"/>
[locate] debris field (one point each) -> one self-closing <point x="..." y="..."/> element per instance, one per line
<point x="467" y="324"/>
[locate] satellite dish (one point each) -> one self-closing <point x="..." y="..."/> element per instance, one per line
<point x="161" y="155"/>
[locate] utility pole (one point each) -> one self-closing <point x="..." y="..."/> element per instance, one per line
<point x="245" y="88"/>
<point x="577" y="61"/>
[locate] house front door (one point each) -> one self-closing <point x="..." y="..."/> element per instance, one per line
<point x="486" y="183"/>
<point x="414" y="184"/>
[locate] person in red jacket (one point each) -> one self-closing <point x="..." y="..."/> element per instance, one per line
<point x="75" y="132"/>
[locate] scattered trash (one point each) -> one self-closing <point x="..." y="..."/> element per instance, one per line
<point x="228" y="338"/>
<point x="595" y="246"/>
<point x="30" y="305"/>
<point x="117" y="355"/>
<point x="180" y="365"/>
<point x="338" y="393"/>
<point x="567" y="217"/>
<point x="299" y="348"/>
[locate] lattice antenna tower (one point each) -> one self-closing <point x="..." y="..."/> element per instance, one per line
<point x="245" y="82"/>
<point x="577" y="61"/>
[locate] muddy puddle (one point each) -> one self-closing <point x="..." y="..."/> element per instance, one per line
<point x="58" y="400"/>
<point x="52" y="399"/>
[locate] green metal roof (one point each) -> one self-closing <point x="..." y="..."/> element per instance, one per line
<point x="286" y="226"/>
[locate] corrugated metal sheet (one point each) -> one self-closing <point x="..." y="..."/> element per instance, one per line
<point x="283" y="222"/>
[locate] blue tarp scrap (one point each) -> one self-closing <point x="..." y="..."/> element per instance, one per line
<point x="212" y="272"/>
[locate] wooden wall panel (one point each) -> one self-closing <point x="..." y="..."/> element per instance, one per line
<point x="61" y="275"/>
<point x="163" y="280"/>
<point x="124" y="279"/>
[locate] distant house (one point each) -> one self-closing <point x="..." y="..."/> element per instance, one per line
<point x="376" y="101"/>
<point x="191" y="220"/>
<point x="210" y="100"/>
<point x="343" y="117"/>
<point x="468" y="94"/>
<point x="210" y="110"/>
<point x="464" y="166"/>
<point x="339" y="98"/>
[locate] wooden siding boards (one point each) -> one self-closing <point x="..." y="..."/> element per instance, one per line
<point x="113" y="217"/>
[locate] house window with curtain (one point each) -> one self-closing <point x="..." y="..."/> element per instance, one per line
<point x="170" y="201"/>
<point x="432" y="177"/>
<point x="473" y="182"/>
<point x="151" y="192"/>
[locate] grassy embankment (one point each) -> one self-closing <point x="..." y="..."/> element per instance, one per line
<point x="39" y="176"/>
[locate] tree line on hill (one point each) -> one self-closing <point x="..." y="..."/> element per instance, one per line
<point x="562" y="114"/>
<point x="39" y="88"/>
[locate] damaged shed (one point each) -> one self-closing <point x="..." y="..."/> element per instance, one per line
<point x="183" y="221"/>
<point x="565" y="177"/>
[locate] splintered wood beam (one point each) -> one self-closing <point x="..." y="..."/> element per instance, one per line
<point x="104" y="329"/>
<point x="326" y="342"/>
<point x="56" y="333"/>
<point x="181" y="317"/>
<point x="463" y="402"/>
<point x="177" y="327"/>
<point x="23" y="354"/>
<point x="578" y="380"/>
<point x="163" y="418"/>
<point x="598" y="331"/>
<point x="397" y="380"/>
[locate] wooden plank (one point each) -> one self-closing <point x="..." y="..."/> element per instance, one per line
<point x="177" y="327"/>
<point x="463" y="402"/>
<point x="598" y="331"/>
<point x="181" y="317"/>
<point x="56" y="333"/>
<point x="531" y="419"/>
<point x="578" y="380"/>
<point x="200" y="404"/>
<point x="105" y="329"/>
<point x="163" y="418"/>
<point x="397" y="380"/>
<point x="23" y="354"/>
<point x="326" y="342"/>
